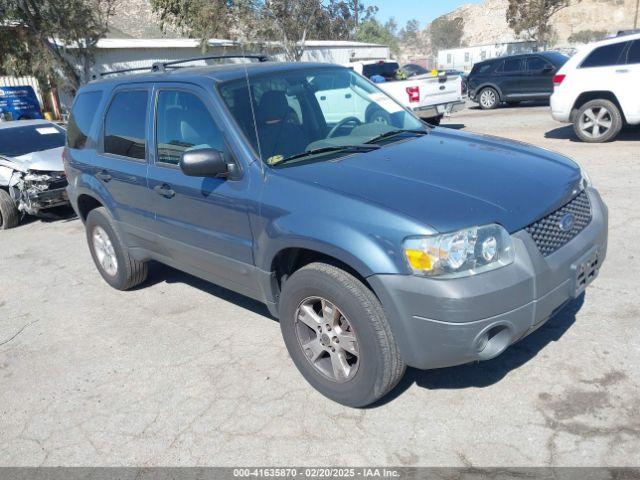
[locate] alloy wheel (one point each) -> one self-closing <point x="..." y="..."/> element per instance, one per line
<point x="595" y="122"/>
<point x="104" y="251"/>
<point x="488" y="98"/>
<point x="327" y="339"/>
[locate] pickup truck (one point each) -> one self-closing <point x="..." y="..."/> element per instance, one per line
<point x="429" y="96"/>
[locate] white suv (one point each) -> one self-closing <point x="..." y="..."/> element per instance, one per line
<point x="597" y="89"/>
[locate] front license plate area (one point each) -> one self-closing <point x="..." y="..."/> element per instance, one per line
<point x="585" y="271"/>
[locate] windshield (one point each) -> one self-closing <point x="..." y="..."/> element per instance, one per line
<point x="17" y="141"/>
<point x="308" y="110"/>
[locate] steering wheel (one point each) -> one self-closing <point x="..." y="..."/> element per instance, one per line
<point x="342" y="123"/>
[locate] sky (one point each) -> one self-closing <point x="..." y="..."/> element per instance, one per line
<point x="422" y="10"/>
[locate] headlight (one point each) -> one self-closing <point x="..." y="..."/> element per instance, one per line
<point x="460" y="254"/>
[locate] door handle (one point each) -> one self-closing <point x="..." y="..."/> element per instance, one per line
<point x="164" y="190"/>
<point x="323" y="98"/>
<point x="348" y="95"/>
<point x="104" y="176"/>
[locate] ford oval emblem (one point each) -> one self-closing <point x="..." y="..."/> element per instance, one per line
<point x="567" y="222"/>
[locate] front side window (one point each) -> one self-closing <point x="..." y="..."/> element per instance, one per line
<point x="183" y="123"/>
<point x="83" y="114"/>
<point x="311" y="109"/>
<point x="125" y="125"/>
<point x="536" y="64"/>
<point x="606" y="56"/>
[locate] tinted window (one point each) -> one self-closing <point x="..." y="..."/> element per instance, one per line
<point x="536" y="64"/>
<point x="634" y="53"/>
<point x="82" y="115"/>
<point x="184" y="123"/>
<point x="482" y="68"/>
<point x="384" y="69"/>
<point x="28" y="139"/>
<point x="606" y="56"/>
<point x="125" y="125"/>
<point x="512" y="65"/>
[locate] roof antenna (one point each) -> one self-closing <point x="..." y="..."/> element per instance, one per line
<point x="253" y="112"/>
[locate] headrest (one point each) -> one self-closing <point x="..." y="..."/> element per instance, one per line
<point x="273" y="107"/>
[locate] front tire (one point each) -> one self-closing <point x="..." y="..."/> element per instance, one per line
<point x="434" y="121"/>
<point x="598" y="121"/>
<point x="110" y="254"/>
<point x="488" y="98"/>
<point x="338" y="336"/>
<point x="9" y="214"/>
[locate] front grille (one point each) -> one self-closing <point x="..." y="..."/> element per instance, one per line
<point x="548" y="235"/>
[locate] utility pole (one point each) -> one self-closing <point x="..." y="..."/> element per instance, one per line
<point x="355" y="5"/>
<point x="635" y="22"/>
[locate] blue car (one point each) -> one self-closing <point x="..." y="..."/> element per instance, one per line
<point x="377" y="244"/>
<point x="19" y="103"/>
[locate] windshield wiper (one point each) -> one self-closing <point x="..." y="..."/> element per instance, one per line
<point x="318" y="151"/>
<point x="393" y="133"/>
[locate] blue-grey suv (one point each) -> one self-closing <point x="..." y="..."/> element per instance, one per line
<point x="377" y="245"/>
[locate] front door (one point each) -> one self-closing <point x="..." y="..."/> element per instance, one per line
<point x="512" y="75"/>
<point x="202" y="223"/>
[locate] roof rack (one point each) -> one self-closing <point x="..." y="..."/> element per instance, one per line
<point x="624" y="33"/>
<point x="162" y="66"/>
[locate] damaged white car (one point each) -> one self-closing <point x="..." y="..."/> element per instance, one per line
<point x="32" y="178"/>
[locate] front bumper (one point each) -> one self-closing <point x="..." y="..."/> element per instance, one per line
<point x="441" y="323"/>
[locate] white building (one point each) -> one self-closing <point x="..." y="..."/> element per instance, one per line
<point x="465" y="57"/>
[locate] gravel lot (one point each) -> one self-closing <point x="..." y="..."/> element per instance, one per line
<point x="181" y="372"/>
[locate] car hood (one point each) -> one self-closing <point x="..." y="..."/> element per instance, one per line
<point x="450" y="180"/>
<point x="45" y="160"/>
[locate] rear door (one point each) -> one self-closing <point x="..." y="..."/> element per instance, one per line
<point x="202" y="223"/>
<point x="120" y="165"/>
<point x="632" y="79"/>
<point x="510" y="76"/>
<point x="538" y="82"/>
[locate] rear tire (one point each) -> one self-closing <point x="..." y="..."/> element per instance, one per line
<point x="9" y="214"/>
<point x="488" y="98"/>
<point x="320" y="295"/>
<point x="598" y="121"/>
<point x="110" y="253"/>
<point x="375" y="114"/>
<point x="434" y="121"/>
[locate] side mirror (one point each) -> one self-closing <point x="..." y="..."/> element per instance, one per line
<point x="205" y="162"/>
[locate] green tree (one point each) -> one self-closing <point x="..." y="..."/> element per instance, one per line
<point x="446" y="33"/>
<point x="51" y="39"/>
<point x="372" y="31"/>
<point x="532" y="18"/>
<point x="410" y="33"/>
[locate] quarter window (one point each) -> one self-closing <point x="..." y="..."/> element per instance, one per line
<point x="183" y="124"/>
<point x="125" y="125"/>
<point x="82" y="115"/>
<point x="606" y="56"/>
<point x="634" y="53"/>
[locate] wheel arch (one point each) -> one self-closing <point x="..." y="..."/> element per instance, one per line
<point x="586" y="97"/>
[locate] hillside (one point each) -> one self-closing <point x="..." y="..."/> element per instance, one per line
<point x="486" y="22"/>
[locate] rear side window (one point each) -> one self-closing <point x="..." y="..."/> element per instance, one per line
<point x="605" y="56"/>
<point x="125" y="125"/>
<point x="512" y="65"/>
<point x="82" y="114"/>
<point x="634" y="53"/>
<point x="184" y="123"/>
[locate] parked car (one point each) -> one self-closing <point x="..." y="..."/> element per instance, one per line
<point x="514" y="79"/>
<point x="429" y="96"/>
<point x="412" y="69"/>
<point x="597" y="90"/>
<point x="19" y="103"/>
<point x="376" y="245"/>
<point x="32" y="178"/>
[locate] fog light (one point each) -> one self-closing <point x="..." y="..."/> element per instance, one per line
<point x="489" y="249"/>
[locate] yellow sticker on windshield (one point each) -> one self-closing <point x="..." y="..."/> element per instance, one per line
<point x="275" y="159"/>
